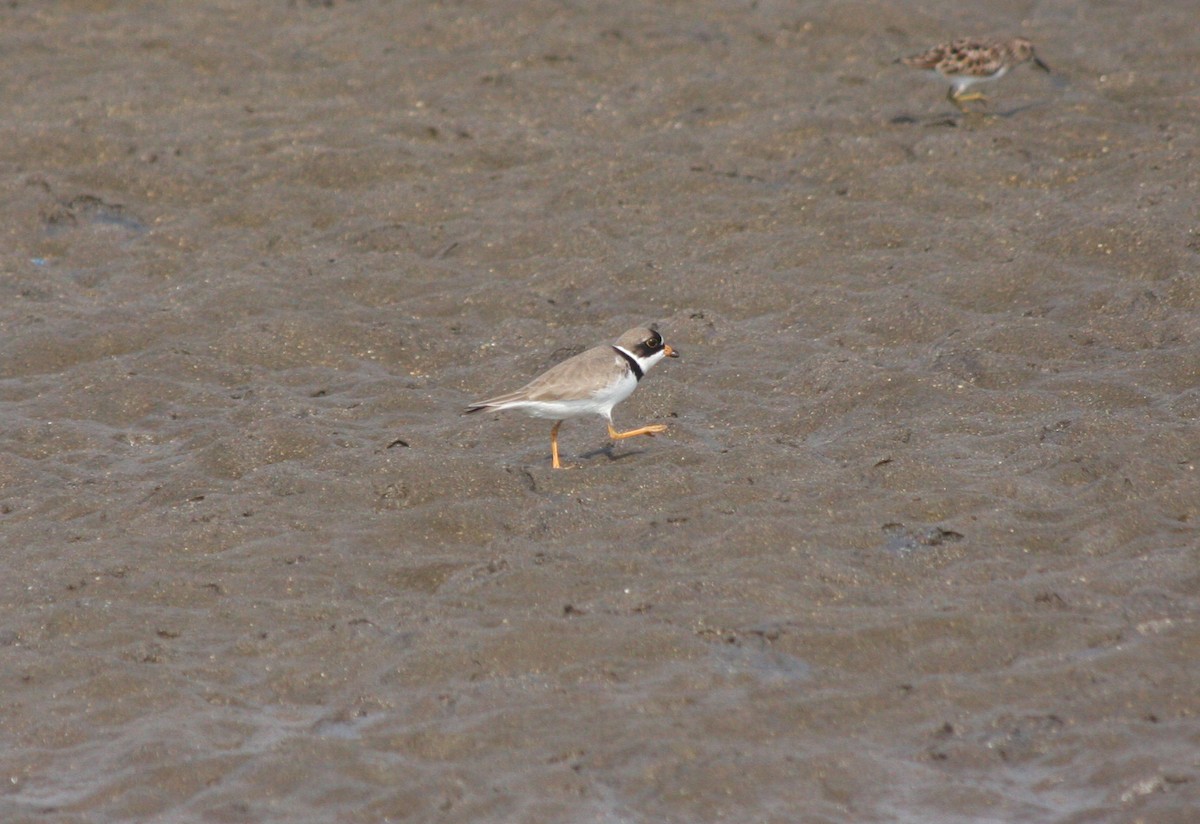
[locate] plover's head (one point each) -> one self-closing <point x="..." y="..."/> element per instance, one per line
<point x="647" y="345"/>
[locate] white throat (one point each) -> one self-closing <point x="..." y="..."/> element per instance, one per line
<point x="643" y="363"/>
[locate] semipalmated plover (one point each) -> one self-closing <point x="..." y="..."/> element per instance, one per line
<point x="970" y="60"/>
<point x="590" y="383"/>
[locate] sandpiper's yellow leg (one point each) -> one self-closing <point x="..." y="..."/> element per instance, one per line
<point x="652" y="429"/>
<point x="959" y="99"/>
<point x="554" y="446"/>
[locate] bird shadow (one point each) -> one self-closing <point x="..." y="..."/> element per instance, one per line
<point x="906" y="119"/>
<point x="1025" y="107"/>
<point x="974" y="117"/>
<point x="610" y="451"/>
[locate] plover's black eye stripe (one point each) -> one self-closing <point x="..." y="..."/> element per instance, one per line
<point x="649" y="346"/>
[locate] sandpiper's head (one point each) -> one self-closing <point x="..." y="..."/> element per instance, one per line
<point x="1022" y="50"/>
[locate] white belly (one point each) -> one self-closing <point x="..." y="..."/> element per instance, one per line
<point x="965" y="81"/>
<point x="599" y="403"/>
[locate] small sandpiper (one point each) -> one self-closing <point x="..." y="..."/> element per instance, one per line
<point x="970" y="60"/>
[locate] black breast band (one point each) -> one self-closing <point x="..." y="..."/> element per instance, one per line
<point x="632" y="361"/>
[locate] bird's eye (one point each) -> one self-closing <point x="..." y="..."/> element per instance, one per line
<point x="654" y="342"/>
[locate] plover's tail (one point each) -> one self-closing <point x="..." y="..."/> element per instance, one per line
<point x="495" y="404"/>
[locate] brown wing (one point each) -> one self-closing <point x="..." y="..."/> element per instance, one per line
<point x="927" y="60"/>
<point x="561" y="382"/>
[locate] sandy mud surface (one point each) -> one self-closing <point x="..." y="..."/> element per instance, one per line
<point x="920" y="545"/>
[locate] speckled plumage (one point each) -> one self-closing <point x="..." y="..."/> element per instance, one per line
<point x="970" y="60"/>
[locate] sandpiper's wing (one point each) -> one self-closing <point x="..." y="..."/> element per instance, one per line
<point x="927" y="60"/>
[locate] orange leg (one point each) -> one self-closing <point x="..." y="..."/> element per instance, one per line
<point x="652" y="429"/>
<point x="554" y="445"/>
<point x="962" y="97"/>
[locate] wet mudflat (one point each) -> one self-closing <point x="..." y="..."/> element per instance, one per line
<point x="920" y="544"/>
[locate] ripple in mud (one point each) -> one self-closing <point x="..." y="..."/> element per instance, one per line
<point x="89" y="209"/>
<point x="902" y="539"/>
<point x="751" y="652"/>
